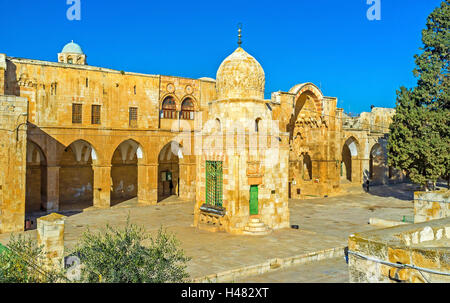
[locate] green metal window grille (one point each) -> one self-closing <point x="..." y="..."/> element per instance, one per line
<point x="214" y="183"/>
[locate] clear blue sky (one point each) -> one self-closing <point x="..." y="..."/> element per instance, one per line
<point x="328" y="42"/>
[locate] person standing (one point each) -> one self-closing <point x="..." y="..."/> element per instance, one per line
<point x="171" y="187"/>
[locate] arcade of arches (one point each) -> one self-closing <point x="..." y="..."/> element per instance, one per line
<point x="77" y="178"/>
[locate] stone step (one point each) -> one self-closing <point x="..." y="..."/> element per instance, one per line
<point x="254" y="224"/>
<point x="255" y="229"/>
<point x="261" y="233"/>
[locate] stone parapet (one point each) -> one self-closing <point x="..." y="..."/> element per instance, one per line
<point x="413" y="253"/>
<point x="431" y="205"/>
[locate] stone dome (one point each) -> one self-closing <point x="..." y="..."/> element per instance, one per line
<point x="72" y="48"/>
<point x="240" y="76"/>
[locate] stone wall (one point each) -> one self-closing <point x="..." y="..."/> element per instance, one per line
<point x="431" y="205"/>
<point x="425" y="245"/>
<point x="13" y="127"/>
<point x="76" y="163"/>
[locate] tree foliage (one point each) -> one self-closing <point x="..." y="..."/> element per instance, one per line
<point x="21" y="262"/>
<point x="120" y="256"/>
<point x="419" y="140"/>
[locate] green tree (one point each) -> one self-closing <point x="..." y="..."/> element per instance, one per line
<point x="21" y="262"/>
<point x="120" y="256"/>
<point x="419" y="140"/>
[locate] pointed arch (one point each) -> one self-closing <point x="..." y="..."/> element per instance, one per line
<point x="307" y="167"/>
<point x="124" y="171"/>
<point x="169" y="107"/>
<point x="36" y="178"/>
<point x="187" y="109"/>
<point x="76" y="175"/>
<point x="169" y="170"/>
<point x="377" y="164"/>
<point x="350" y="152"/>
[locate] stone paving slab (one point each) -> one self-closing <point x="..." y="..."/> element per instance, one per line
<point x="333" y="270"/>
<point x="324" y="223"/>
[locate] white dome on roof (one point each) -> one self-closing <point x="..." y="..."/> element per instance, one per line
<point x="72" y="48"/>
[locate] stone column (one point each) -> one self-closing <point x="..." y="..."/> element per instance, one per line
<point x="51" y="203"/>
<point x="50" y="235"/>
<point x="102" y="186"/>
<point x="148" y="183"/>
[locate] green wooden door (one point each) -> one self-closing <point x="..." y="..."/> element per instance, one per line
<point x="253" y="200"/>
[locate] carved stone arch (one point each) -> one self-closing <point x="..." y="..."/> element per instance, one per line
<point x="170" y="95"/>
<point x="307" y="103"/>
<point x="188" y="108"/>
<point x="300" y="89"/>
<point x="194" y="101"/>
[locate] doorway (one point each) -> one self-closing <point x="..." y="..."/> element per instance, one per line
<point x="253" y="200"/>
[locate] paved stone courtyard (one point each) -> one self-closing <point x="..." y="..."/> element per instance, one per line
<point x="325" y="271"/>
<point x="324" y="223"/>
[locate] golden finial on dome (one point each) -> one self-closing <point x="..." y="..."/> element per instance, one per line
<point x="240" y="35"/>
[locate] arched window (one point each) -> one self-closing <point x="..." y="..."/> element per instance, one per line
<point x="169" y="109"/>
<point x="257" y="124"/>
<point x="187" y="110"/>
<point x="218" y="127"/>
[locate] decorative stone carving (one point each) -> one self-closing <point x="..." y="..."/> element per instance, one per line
<point x="170" y="88"/>
<point x="189" y="90"/>
<point x="240" y="76"/>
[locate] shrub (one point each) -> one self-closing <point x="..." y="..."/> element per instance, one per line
<point x="21" y="262"/>
<point x="119" y="256"/>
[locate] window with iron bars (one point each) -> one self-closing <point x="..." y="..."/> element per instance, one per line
<point x="187" y="110"/>
<point x="95" y="117"/>
<point x="214" y="183"/>
<point x="133" y="114"/>
<point x="169" y="109"/>
<point x="77" y="113"/>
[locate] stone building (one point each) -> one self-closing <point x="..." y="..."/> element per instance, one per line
<point x="75" y="136"/>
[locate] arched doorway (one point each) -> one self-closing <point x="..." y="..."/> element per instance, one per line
<point x="305" y="107"/>
<point x="346" y="164"/>
<point x="376" y="164"/>
<point x="36" y="176"/>
<point x="124" y="172"/>
<point x="76" y="176"/>
<point x="307" y="167"/>
<point x="348" y="160"/>
<point x="168" y="171"/>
